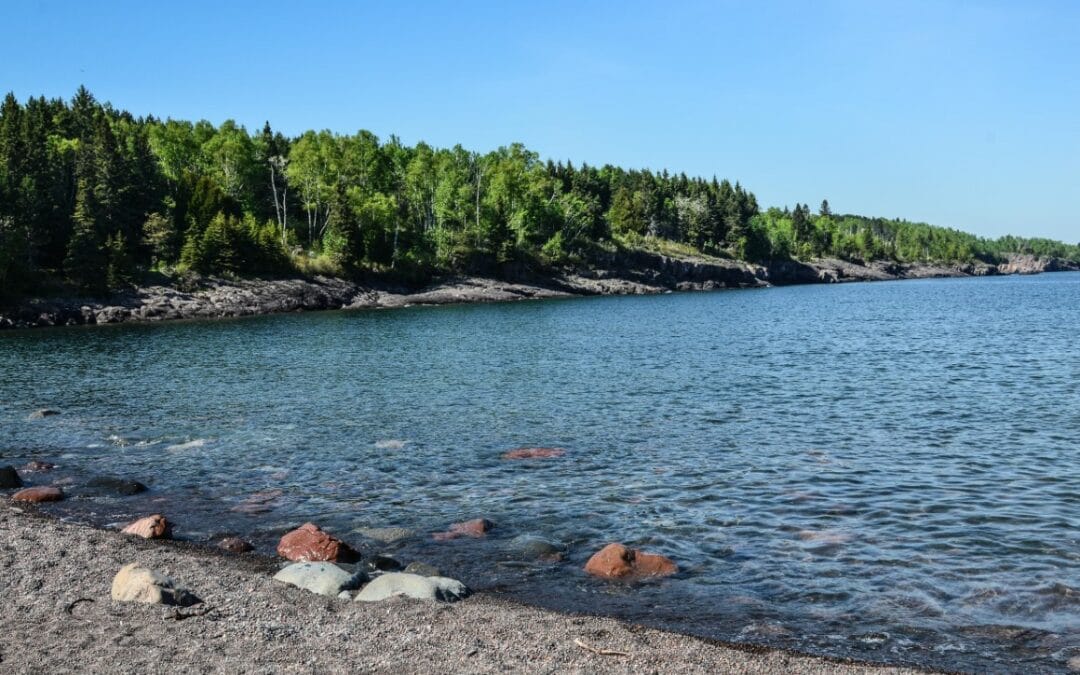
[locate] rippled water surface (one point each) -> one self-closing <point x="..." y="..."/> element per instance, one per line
<point x="886" y="471"/>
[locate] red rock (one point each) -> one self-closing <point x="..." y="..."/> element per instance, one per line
<point x="534" y="453"/>
<point x="150" y="527"/>
<point x="235" y="545"/>
<point x="478" y="527"/>
<point x="308" y="543"/>
<point x="39" y="494"/>
<point x="616" y="561"/>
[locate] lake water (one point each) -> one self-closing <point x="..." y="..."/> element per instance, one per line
<point x="887" y="471"/>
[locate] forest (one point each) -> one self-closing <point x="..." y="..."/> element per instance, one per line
<point x="93" y="199"/>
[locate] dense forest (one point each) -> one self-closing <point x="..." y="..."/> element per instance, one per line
<point x="92" y="198"/>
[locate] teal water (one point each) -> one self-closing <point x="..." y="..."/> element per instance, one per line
<point x="886" y="471"/>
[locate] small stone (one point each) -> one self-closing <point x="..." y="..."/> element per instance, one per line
<point x="413" y="586"/>
<point x="135" y="583"/>
<point x="235" y="545"/>
<point x="345" y="595"/>
<point x="120" y="486"/>
<point x="322" y="578"/>
<point x="534" y="453"/>
<point x="39" y="494"/>
<point x="150" y="527"/>
<point x="42" y="414"/>
<point x="386" y="535"/>
<point x="478" y="527"/>
<point x="616" y="561"/>
<point x="308" y="543"/>
<point x="9" y="478"/>
<point x="422" y="569"/>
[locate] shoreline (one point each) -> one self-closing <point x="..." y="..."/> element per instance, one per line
<point x="58" y="612"/>
<point x="626" y="273"/>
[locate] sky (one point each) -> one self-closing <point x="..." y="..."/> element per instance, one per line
<point x="963" y="114"/>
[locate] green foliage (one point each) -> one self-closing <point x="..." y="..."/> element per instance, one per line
<point x="95" y="195"/>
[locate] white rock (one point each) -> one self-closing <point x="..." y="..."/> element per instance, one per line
<point x="413" y="586"/>
<point x="322" y="578"/>
<point x="135" y="583"/>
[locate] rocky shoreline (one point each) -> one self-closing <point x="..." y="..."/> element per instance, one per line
<point x="83" y="599"/>
<point x="624" y="273"/>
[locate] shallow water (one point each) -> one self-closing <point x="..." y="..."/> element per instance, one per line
<point x="887" y="471"/>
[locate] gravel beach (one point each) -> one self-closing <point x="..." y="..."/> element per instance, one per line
<point x="57" y="616"/>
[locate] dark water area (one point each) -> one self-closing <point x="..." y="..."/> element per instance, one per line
<point x="885" y="471"/>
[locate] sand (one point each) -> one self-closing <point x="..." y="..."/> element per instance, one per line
<point x="56" y="615"/>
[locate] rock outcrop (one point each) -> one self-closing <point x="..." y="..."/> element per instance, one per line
<point x="308" y="543"/>
<point x="616" y="561"/>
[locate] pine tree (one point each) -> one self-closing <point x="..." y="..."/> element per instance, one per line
<point x="86" y="259"/>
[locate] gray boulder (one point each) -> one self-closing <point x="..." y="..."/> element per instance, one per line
<point x="322" y="578"/>
<point x="413" y="586"/>
<point x="387" y="535"/>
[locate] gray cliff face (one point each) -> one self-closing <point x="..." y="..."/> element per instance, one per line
<point x="622" y="273"/>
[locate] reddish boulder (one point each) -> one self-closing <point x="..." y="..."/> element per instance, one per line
<point x="39" y="494"/>
<point x="616" y="561"/>
<point x="308" y="543"/>
<point x="150" y="527"/>
<point x="478" y="527"/>
<point x="534" y="453"/>
<point x="235" y="545"/>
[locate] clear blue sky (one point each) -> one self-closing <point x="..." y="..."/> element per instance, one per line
<point x="964" y="114"/>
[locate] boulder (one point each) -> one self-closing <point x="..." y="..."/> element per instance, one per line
<point x="135" y="583"/>
<point x="9" y="478"/>
<point x="42" y="414"/>
<point x="534" y="453"/>
<point x="413" y="586"/>
<point x="235" y="545"/>
<point x="150" y="527"/>
<point x="478" y="527"/>
<point x="308" y="543"/>
<point x="39" y="494"/>
<point x="120" y="486"/>
<point x="616" y="561"/>
<point x="386" y="535"/>
<point x="322" y="578"/>
<point x="423" y="569"/>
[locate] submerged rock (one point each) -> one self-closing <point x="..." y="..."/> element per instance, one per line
<point x="39" y="494"/>
<point x="616" y="561"/>
<point x="9" y="478"/>
<point x="36" y="465"/>
<point x="381" y="563"/>
<point x="120" y="486"/>
<point x="42" y="414"/>
<point x="529" y="547"/>
<point x="423" y="569"/>
<point x="534" y="453"/>
<point x="150" y="527"/>
<point x="413" y="586"/>
<point x="235" y="545"/>
<point x="386" y="535"/>
<point x="308" y="543"/>
<point x="322" y="578"/>
<point x="478" y="527"/>
<point x="135" y="583"/>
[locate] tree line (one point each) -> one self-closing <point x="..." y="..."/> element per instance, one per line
<point x="92" y="197"/>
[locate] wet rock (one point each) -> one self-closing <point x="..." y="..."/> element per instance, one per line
<point x="235" y="545"/>
<point x="380" y="563"/>
<point x="529" y="547"/>
<point x="413" y="586"/>
<point x="826" y="537"/>
<point x="616" y="561"/>
<point x="37" y="465"/>
<point x="1074" y="664"/>
<point x="422" y="569"/>
<point x="322" y="578"/>
<point x="120" y="486"/>
<point x="387" y="535"/>
<point x="42" y="414"/>
<point x="259" y="502"/>
<point x="150" y="527"/>
<point x="308" y="543"/>
<point x="39" y="494"/>
<point x="9" y="478"/>
<point x="478" y="527"/>
<point x="534" y="453"/>
<point x="135" y="583"/>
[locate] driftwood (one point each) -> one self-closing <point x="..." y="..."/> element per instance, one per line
<point x="598" y="651"/>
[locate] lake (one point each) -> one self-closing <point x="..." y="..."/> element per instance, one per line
<point x="886" y="471"/>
